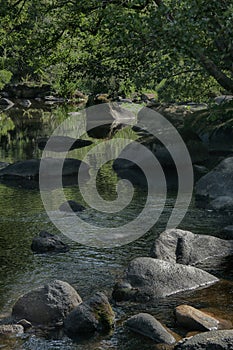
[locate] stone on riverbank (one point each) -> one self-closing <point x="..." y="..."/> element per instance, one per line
<point x="48" y="304"/>
<point x="93" y="315"/>
<point x="217" y="183"/>
<point x="5" y="102"/>
<point x="222" y="203"/>
<point x="153" y="278"/>
<point x="9" y="329"/>
<point x="185" y="247"/>
<point x="219" y="340"/>
<point x="148" y="326"/>
<point x="46" y="242"/>
<point x="228" y="232"/>
<point x="51" y="168"/>
<point x="61" y="143"/>
<point x="196" y="320"/>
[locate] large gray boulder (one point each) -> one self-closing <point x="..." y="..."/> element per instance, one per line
<point x="93" y="315"/>
<point x="48" y="304"/>
<point x="217" y="183"/>
<point x="148" y="326"/>
<point x="185" y="247"/>
<point x="213" y="340"/>
<point x="30" y="168"/>
<point x="153" y="278"/>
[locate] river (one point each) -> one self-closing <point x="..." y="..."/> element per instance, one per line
<point x="88" y="269"/>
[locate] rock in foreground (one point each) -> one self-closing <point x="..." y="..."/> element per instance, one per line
<point x="93" y="315"/>
<point x="48" y="304"/>
<point x="148" y="326"/>
<point x="185" y="247"/>
<point x="197" y="320"/>
<point x="213" y="340"/>
<point x="46" y="242"/>
<point x="153" y="278"/>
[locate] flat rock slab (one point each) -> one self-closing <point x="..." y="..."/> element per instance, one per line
<point x="195" y="320"/>
<point x="48" y="304"/>
<point x="61" y="143"/>
<point x="30" y="168"/>
<point x="148" y="326"/>
<point x="213" y="340"/>
<point x="152" y="278"/>
<point x="187" y="248"/>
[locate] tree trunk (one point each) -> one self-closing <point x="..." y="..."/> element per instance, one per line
<point x="213" y="70"/>
<point x="207" y="64"/>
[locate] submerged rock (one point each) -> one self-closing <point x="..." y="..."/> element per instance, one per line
<point x="187" y="248"/>
<point x="219" y="340"/>
<point x="153" y="278"/>
<point x="93" y="315"/>
<point x="123" y="291"/>
<point x="48" y="304"/>
<point x="148" y="326"/>
<point x="47" y="242"/>
<point x="71" y="206"/>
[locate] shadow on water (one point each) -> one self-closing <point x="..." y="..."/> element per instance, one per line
<point x="22" y="216"/>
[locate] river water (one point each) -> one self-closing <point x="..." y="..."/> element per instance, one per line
<point x="88" y="269"/>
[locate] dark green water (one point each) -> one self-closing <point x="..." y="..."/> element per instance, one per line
<point x="22" y="216"/>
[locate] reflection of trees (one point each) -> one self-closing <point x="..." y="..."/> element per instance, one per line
<point x="20" y="128"/>
<point x="6" y="124"/>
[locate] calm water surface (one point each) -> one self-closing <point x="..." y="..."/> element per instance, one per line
<point x="22" y="216"/>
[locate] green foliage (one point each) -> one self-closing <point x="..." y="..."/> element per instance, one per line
<point x="5" y="77"/>
<point x="120" y="45"/>
<point x="6" y="124"/>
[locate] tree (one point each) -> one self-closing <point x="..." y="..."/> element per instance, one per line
<point x="183" y="48"/>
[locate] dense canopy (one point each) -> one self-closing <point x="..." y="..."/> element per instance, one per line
<point x="181" y="49"/>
